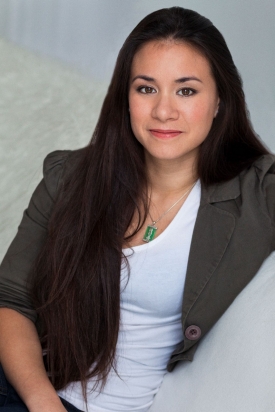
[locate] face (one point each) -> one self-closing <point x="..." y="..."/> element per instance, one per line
<point x="173" y="100"/>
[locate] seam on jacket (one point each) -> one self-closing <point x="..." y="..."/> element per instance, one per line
<point x="265" y="212"/>
<point x="61" y="176"/>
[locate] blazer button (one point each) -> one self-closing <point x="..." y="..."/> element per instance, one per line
<point x="193" y="332"/>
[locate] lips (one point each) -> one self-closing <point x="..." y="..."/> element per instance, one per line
<point x="165" y="134"/>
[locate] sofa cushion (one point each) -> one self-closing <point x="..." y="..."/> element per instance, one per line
<point x="234" y="366"/>
<point x="44" y="106"/>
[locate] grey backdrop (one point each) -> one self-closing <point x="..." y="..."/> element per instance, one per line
<point x="87" y="34"/>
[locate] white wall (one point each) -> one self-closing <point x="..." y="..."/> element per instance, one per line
<point x="87" y="34"/>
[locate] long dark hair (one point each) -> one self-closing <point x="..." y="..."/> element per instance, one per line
<point x="76" y="289"/>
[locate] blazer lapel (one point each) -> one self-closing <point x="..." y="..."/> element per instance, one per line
<point x="212" y="233"/>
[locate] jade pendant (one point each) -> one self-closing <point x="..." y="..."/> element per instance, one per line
<point x="149" y="233"/>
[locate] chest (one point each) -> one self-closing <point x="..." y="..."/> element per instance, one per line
<point x="153" y="281"/>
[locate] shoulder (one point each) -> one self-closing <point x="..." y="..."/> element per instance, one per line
<point x="252" y="189"/>
<point x="263" y="167"/>
<point x="260" y="177"/>
<point x="57" y="166"/>
<point x="265" y="184"/>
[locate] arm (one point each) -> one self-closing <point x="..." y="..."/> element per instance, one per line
<point x="20" y="349"/>
<point x="21" y="358"/>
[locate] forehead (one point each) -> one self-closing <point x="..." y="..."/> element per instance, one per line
<point x="170" y="56"/>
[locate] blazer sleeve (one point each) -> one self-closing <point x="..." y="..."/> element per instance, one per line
<point x="23" y="251"/>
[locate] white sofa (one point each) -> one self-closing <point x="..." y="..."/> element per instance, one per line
<point x="234" y="366"/>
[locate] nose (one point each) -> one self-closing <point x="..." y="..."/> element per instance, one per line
<point x="165" y="108"/>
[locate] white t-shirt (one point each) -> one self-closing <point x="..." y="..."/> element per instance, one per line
<point x="150" y="329"/>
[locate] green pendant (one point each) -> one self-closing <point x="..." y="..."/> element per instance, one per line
<point x="149" y="233"/>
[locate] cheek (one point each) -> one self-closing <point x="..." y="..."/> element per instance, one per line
<point x="137" y="113"/>
<point x="201" y="113"/>
<point x="135" y="117"/>
<point x="135" y="121"/>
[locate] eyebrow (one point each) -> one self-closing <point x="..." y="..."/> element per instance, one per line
<point x="180" y="80"/>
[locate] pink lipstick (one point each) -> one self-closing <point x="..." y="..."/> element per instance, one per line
<point x="165" y="134"/>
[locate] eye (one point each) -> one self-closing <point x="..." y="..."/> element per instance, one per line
<point x="146" y="90"/>
<point x="186" y="92"/>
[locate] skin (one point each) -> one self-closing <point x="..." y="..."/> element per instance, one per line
<point x="173" y="101"/>
<point x="21" y="358"/>
<point x="165" y="103"/>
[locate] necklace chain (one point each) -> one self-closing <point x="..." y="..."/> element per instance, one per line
<point x="151" y="229"/>
<point x="163" y="214"/>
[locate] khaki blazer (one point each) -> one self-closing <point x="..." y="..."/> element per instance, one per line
<point x="233" y="234"/>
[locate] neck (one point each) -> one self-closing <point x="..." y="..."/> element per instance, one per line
<point x="167" y="177"/>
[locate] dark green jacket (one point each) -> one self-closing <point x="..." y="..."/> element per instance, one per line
<point x="233" y="234"/>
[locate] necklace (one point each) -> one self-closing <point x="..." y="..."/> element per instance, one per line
<point x="151" y="229"/>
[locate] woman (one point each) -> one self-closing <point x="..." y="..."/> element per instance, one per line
<point x="174" y="177"/>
